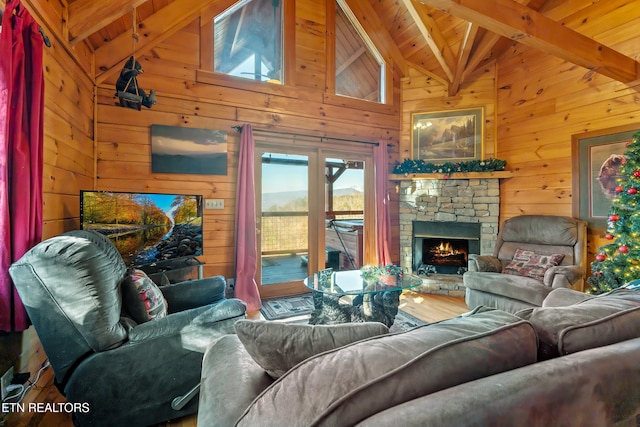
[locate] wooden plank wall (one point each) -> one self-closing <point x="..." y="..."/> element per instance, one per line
<point x="542" y="102"/>
<point x="68" y="154"/>
<point x="68" y="127"/>
<point x="422" y="93"/>
<point x="191" y="98"/>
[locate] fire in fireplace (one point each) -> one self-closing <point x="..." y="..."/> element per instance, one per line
<point x="444" y="247"/>
<point x="441" y="252"/>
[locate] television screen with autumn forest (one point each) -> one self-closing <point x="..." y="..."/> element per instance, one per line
<point x="145" y="227"/>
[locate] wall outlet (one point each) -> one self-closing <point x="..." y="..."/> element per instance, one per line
<point x="214" y="204"/>
<point x="5" y="381"/>
<point x="231" y="283"/>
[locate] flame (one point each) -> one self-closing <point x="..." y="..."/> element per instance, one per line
<point x="445" y="249"/>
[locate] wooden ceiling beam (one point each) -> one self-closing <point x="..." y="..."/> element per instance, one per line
<point x="463" y="57"/>
<point x="88" y="16"/>
<point x="491" y="46"/>
<point x="483" y="49"/>
<point x="428" y="73"/>
<point x="350" y="60"/>
<point x="433" y="37"/>
<point x="152" y="31"/>
<point x="518" y="22"/>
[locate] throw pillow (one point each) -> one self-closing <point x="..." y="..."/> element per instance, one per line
<point x="598" y="321"/>
<point x="532" y="264"/>
<point x="278" y="347"/>
<point x="142" y="298"/>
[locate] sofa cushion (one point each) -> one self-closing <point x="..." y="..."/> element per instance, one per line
<point x="507" y="285"/>
<point x="278" y="347"/>
<point x="548" y="230"/>
<point x="380" y="372"/>
<point x="142" y="298"/>
<point x="597" y="387"/>
<point x="598" y="321"/>
<point x="230" y="381"/>
<point x="531" y="264"/>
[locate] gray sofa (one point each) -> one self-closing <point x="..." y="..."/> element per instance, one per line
<point x="572" y="362"/>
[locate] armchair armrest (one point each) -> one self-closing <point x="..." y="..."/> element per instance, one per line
<point x="484" y="263"/>
<point x="563" y="297"/>
<point x="194" y="293"/>
<point x="563" y="276"/>
<point x="161" y="361"/>
<point x="209" y="319"/>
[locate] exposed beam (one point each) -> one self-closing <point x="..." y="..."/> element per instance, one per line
<point x="463" y="57"/>
<point x="350" y="60"/>
<point x="432" y="36"/>
<point x="428" y="73"/>
<point x="517" y="22"/>
<point x="491" y="46"/>
<point x="152" y="31"/>
<point x="483" y="48"/>
<point x="88" y="16"/>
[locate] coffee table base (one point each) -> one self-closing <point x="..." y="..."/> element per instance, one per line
<point x="371" y="307"/>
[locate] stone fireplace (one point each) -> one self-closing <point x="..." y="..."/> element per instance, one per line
<point x="442" y="221"/>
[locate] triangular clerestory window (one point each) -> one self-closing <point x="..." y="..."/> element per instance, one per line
<point x="248" y="40"/>
<point x="359" y="66"/>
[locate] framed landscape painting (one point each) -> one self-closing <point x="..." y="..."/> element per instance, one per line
<point x="597" y="157"/>
<point x="448" y="136"/>
<point x="176" y="149"/>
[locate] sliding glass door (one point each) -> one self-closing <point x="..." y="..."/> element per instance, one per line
<point x="312" y="213"/>
<point x="344" y="212"/>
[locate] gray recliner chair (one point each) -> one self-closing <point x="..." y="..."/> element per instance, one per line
<point x="121" y="372"/>
<point x="487" y="285"/>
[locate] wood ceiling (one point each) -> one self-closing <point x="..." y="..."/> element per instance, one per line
<point x="448" y="39"/>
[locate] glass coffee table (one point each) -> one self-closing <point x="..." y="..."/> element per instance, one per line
<point x="372" y="301"/>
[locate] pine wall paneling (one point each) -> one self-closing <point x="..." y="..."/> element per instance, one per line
<point x="422" y="94"/>
<point x="543" y="102"/>
<point x="191" y="97"/>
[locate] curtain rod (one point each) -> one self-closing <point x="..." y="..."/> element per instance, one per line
<point x="239" y="129"/>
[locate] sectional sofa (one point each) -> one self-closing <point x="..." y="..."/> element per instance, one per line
<point x="575" y="361"/>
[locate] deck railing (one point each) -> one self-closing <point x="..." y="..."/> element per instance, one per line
<point x="284" y="233"/>
<point x="287" y="232"/>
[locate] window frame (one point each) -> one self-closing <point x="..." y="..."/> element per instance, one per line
<point x="386" y="81"/>
<point x="206" y="72"/>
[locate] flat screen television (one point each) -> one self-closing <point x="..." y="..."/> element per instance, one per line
<point x="145" y="227"/>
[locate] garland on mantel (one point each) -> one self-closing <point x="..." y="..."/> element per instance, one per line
<point x="409" y="166"/>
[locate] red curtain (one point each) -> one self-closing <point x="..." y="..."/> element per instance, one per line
<point x="383" y="218"/>
<point x="246" y="244"/>
<point x="21" y="136"/>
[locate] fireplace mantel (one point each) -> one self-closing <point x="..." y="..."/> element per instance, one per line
<point x="455" y="175"/>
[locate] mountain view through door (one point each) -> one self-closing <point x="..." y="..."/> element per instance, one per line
<point x="285" y="215"/>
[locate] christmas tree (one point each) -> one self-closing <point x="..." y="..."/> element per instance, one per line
<point x="618" y="262"/>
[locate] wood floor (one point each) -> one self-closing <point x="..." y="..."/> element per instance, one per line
<point x="428" y="307"/>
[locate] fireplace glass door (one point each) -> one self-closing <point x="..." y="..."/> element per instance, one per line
<point x="444" y="247"/>
<point x="447" y="255"/>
